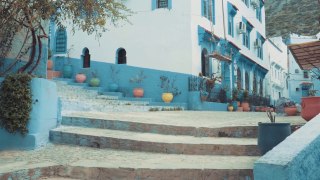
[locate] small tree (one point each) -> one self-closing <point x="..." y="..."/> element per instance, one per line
<point x="27" y="17"/>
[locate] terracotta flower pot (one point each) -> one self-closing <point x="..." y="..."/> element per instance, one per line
<point x="167" y="97"/>
<point x="245" y="106"/>
<point x="310" y="107"/>
<point x="138" y="92"/>
<point x="290" y="111"/>
<point x="81" y="78"/>
<point x="49" y="64"/>
<point x="203" y="98"/>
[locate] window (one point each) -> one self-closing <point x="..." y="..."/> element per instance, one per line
<point x="246" y="2"/>
<point x="305" y="74"/>
<point x="230" y="25"/>
<point x="232" y="11"/>
<point x="296" y="71"/>
<point x="259" y="13"/>
<point x="160" y="4"/>
<point x="208" y="9"/>
<point x="61" y="40"/>
<point x="260" y="50"/>
<point x="205" y="63"/>
<point x="121" y="56"/>
<point x="246" y="35"/>
<point x="246" y="39"/>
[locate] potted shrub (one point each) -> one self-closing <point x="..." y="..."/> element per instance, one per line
<point x="138" y="91"/>
<point x="271" y="134"/>
<point x="114" y="85"/>
<point x="169" y="89"/>
<point x="290" y="108"/>
<point x="67" y="68"/>
<point x="310" y="106"/>
<point x="235" y="99"/>
<point x="204" y="95"/>
<point x="245" y="103"/>
<point x="94" y="81"/>
<point x="223" y="95"/>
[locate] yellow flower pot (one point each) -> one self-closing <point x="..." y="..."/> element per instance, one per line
<point x="167" y="97"/>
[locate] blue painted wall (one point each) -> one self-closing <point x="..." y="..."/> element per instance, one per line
<point x="151" y="84"/>
<point x="43" y="118"/>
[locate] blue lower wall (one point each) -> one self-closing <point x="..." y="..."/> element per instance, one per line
<point x="43" y="117"/>
<point x="151" y="84"/>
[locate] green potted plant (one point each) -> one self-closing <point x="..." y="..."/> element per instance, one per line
<point x="271" y="134"/>
<point x="169" y="89"/>
<point x="203" y="95"/>
<point x="114" y="85"/>
<point x="94" y="81"/>
<point x="49" y="62"/>
<point x="67" y="67"/>
<point x="138" y="91"/>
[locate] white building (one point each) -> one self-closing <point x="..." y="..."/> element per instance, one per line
<point x="278" y="73"/>
<point x="181" y="36"/>
<point x="300" y="81"/>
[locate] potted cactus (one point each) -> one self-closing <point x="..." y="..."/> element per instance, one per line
<point x="271" y="134"/>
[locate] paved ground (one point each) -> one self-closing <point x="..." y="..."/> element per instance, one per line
<point x="91" y="157"/>
<point x="191" y="118"/>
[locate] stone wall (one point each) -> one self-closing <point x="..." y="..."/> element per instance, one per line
<point x="292" y="16"/>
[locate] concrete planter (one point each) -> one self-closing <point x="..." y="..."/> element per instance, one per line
<point x="271" y="134"/>
<point x="43" y="117"/>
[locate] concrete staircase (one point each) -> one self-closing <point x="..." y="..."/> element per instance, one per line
<point x="81" y="97"/>
<point x="234" y="148"/>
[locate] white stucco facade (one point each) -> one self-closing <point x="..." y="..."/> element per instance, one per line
<point x="167" y="38"/>
<point x="278" y="73"/>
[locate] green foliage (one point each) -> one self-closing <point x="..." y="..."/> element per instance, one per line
<point x="15" y="103"/>
<point x="169" y="86"/>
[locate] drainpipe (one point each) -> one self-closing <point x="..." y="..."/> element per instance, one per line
<point x="224" y="23"/>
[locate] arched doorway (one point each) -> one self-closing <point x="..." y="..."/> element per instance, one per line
<point x="254" y="87"/>
<point x="86" y="57"/>
<point x="205" y="63"/>
<point x="239" y="84"/>
<point x="261" y="87"/>
<point x="246" y="81"/>
<point x="121" y="56"/>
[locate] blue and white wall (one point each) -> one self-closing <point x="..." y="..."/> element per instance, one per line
<point x="278" y="74"/>
<point x="173" y="39"/>
<point x="299" y="78"/>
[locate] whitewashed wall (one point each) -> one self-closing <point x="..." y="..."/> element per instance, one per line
<point x="158" y="39"/>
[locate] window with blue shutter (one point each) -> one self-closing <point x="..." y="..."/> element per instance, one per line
<point x="232" y="11"/>
<point x="61" y="40"/>
<point x="246" y="35"/>
<point x="208" y="9"/>
<point x="158" y="4"/>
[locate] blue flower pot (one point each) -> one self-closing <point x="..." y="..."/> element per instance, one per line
<point x="113" y="87"/>
<point x="67" y="71"/>
<point x="235" y="105"/>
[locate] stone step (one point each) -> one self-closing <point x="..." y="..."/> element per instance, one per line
<point x="64" y="161"/>
<point x="109" y="122"/>
<point x="147" y="142"/>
